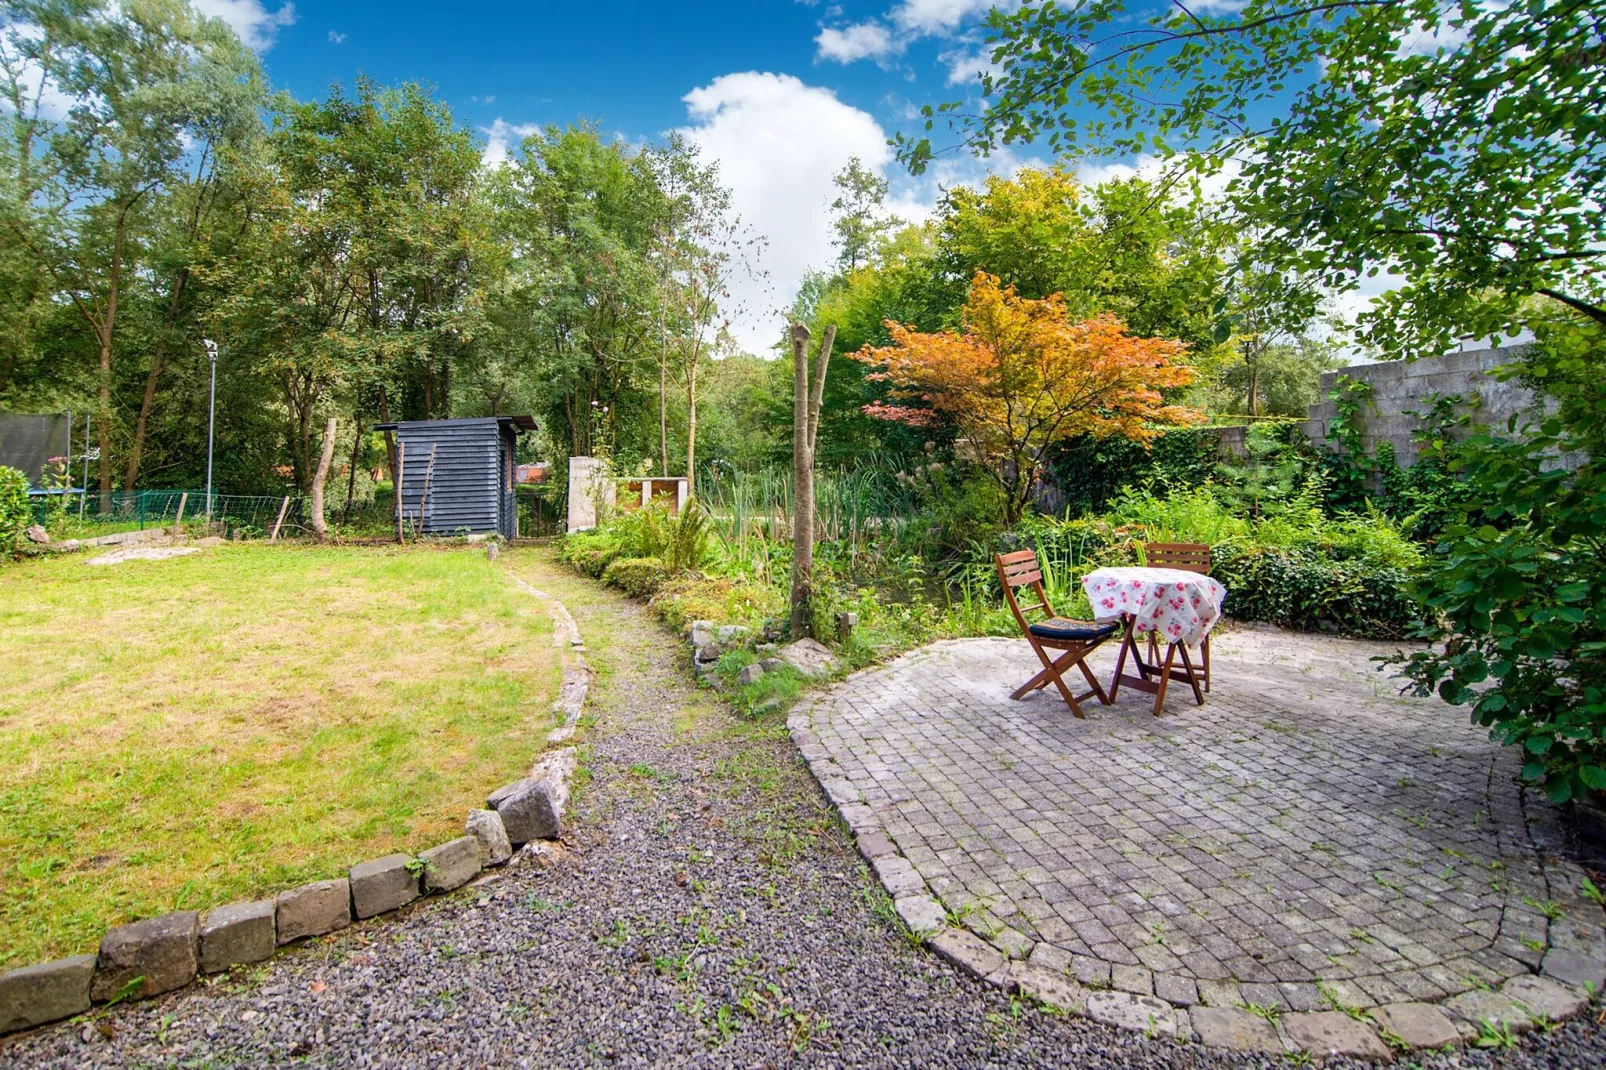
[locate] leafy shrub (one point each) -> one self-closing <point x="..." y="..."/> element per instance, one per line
<point x="1308" y="590"/>
<point x="15" y="511"/>
<point x="1520" y="576"/>
<point x="680" y="542"/>
<point x="636" y="576"/>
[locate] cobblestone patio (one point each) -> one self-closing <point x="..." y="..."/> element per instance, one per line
<point x="1306" y="838"/>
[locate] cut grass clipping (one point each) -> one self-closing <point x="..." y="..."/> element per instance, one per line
<point x="183" y="733"/>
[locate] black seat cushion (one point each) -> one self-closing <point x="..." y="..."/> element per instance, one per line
<point x="1072" y="630"/>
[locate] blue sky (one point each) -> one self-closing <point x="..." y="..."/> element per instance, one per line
<point x="781" y="93"/>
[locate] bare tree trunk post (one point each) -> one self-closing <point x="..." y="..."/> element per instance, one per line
<point x="806" y="400"/>
<point x="663" y="413"/>
<point x="691" y="424"/>
<point x="401" y="464"/>
<point x="320" y="528"/>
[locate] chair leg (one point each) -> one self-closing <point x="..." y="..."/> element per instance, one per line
<point x="1204" y="656"/>
<point x="1051" y="671"/>
<point x="1092" y="680"/>
<point x="1045" y="675"/>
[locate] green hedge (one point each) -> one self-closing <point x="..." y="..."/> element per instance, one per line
<point x="638" y="576"/>
<point x="1310" y="591"/>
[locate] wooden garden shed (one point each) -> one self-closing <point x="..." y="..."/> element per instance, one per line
<point x="457" y="475"/>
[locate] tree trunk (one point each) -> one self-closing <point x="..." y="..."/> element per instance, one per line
<point x="351" y="482"/>
<point x="663" y="411"/>
<point x="390" y="436"/>
<point x="136" y="450"/>
<point x="320" y="528"/>
<point x="691" y="424"/>
<point x="805" y="427"/>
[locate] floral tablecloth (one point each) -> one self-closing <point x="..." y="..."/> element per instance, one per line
<point x="1181" y="605"/>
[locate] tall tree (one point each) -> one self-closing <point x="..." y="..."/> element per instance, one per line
<point x="859" y="219"/>
<point x="146" y="81"/>
<point x="807" y="388"/>
<point x="1022" y="375"/>
<point x="1455" y="144"/>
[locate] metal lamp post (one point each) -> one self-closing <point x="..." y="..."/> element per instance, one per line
<point x="211" y="412"/>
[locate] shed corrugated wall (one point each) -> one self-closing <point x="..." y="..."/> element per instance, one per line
<point x="463" y="488"/>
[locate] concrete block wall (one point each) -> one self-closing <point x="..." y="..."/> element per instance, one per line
<point x="1399" y="387"/>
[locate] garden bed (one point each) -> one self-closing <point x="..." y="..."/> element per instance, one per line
<point x="184" y="733"/>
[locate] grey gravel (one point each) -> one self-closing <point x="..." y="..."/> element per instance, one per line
<point x="704" y="881"/>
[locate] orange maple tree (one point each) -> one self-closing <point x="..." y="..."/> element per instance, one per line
<point x="1022" y="375"/>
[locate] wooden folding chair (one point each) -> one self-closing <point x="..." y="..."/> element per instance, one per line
<point x="1077" y="638"/>
<point x="1189" y="557"/>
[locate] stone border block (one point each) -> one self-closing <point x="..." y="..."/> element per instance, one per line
<point x="147" y="958"/>
<point x="922" y="914"/>
<point x="969" y="952"/>
<point x="238" y="933"/>
<point x="1544" y="998"/>
<point x="313" y="909"/>
<point x="488" y="831"/>
<point x="1138" y="1014"/>
<point x="34" y="995"/>
<point x="1234" y="1029"/>
<point x="451" y="865"/>
<point x="1417" y="1025"/>
<point x="382" y="884"/>
<point x="1329" y="1033"/>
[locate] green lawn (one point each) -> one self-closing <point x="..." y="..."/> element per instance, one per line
<point x="181" y="733"/>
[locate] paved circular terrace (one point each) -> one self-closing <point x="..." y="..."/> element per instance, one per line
<point x="1307" y="836"/>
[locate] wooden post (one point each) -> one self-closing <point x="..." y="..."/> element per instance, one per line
<point x="401" y="467"/>
<point x="277" y="524"/>
<point x="179" y="520"/>
<point x="805" y="426"/>
<point x="423" y="496"/>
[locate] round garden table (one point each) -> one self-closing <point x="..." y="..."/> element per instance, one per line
<point x="1169" y="605"/>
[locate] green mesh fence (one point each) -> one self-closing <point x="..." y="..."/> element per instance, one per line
<point x="234" y="515"/>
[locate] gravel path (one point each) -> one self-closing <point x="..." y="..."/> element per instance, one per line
<point x="707" y="910"/>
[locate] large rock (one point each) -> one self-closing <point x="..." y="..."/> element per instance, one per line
<point x="383" y="884"/>
<point x="313" y="909"/>
<point x="238" y="933"/>
<point x="451" y="865"/>
<point x="533" y="808"/>
<point x="809" y="657"/>
<point x="488" y="831"/>
<point x="702" y="633"/>
<point x="37" y="534"/>
<point x="44" y="993"/>
<point x="750" y="674"/>
<point x="148" y="957"/>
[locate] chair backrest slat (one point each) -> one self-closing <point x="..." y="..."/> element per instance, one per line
<point x="1188" y="556"/>
<point x="1020" y="569"/>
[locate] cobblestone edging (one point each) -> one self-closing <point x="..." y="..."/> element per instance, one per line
<point x="1556" y="983"/>
<point x="156" y="955"/>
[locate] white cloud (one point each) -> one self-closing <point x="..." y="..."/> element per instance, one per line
<point x="861" y="40"/>
<point x="501" y="136"/>
<point x="778" y="142"/>
<point x="253" y="23"/>
<point x="336" y="38"/>
<point x="966" y="67"/>
<point x="491" y="99"/>
<point x="940" y="16"/>
<point x="1217" y="7"/>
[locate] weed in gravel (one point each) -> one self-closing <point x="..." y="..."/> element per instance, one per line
<point x="1270" y="1012"/>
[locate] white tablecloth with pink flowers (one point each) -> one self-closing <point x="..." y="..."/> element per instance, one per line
<point x="1181" y="606"/>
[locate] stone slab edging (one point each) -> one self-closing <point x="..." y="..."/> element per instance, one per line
<point x="152" y="956"/>
<point x="1568" y="979"/>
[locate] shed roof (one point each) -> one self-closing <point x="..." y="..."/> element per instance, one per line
<point x="518" y="423"/>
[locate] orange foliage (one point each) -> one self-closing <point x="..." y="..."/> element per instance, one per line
<point x="1022" y="375"/>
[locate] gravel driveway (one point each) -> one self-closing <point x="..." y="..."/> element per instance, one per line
<point x="707" y="910"/>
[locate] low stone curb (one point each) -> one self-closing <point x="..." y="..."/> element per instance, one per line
<point x="156" y="955"/>
<point x="1212" y="1014"/>
<point x="576" y="684"/>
